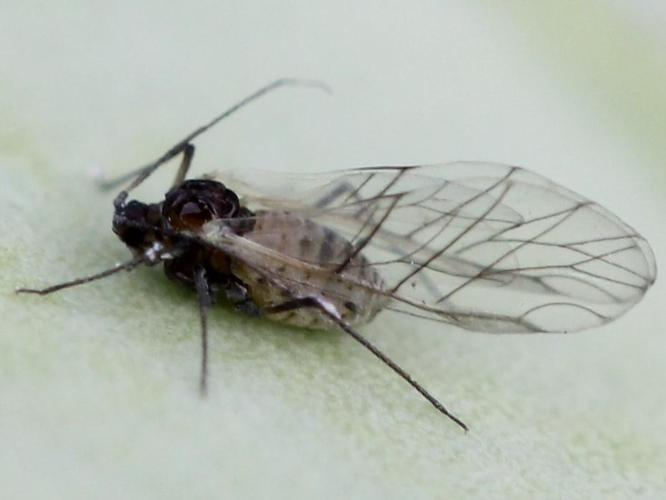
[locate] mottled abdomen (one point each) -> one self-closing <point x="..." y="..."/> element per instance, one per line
<point x="305" y="263"/>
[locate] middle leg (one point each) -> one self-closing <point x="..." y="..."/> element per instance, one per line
<point x="205" y="301"/>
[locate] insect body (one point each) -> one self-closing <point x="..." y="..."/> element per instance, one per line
<point x="485" y="247"/>
<point x="316" y="249"/>
<point x="207" y="210"/>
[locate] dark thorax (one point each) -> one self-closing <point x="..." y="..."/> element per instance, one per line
<point x="158" y="228"/>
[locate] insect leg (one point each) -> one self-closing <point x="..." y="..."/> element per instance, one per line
<point x="125" y="266"/>
<point x="329" y="311"/>
<point x="205" y="301"/>
<point x="185" y="163"/>
<point x="236" y="293"/>
<point x="144" y="172"/>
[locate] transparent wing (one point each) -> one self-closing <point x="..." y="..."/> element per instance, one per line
<point x="486" y="247"/>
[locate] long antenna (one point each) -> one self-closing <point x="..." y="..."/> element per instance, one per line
<point x="141" y="174"/>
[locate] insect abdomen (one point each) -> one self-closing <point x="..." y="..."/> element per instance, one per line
<point x="315" y="253"/>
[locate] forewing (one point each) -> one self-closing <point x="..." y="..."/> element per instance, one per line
<point x="484" y="246"/>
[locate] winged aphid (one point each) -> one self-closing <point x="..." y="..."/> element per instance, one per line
<point x="481" y="246"/>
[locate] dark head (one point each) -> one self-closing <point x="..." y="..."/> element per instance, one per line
<point x="136" y="224"/>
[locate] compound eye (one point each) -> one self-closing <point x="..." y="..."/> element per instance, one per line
<point x="190" y="215"/>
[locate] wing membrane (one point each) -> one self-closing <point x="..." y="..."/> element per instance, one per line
<point x="483" y="246"/>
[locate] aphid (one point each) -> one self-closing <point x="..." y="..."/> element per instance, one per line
<point x="485" y="247"/>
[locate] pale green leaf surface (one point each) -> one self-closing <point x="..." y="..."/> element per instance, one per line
<point x="98" y="384"/>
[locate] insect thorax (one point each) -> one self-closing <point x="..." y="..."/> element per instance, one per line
<point x="187" y="207"/>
